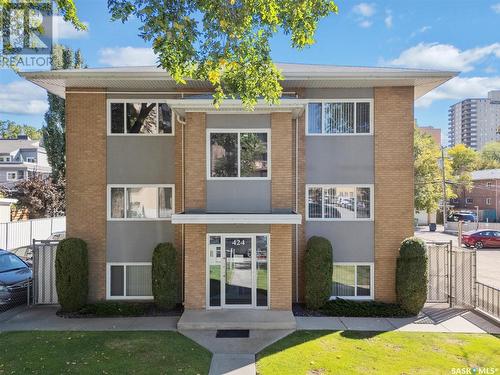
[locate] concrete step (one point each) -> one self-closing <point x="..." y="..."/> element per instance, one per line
<point x="236" y="319"/>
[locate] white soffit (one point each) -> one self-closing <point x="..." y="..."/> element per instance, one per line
<point x="236" y="218"/>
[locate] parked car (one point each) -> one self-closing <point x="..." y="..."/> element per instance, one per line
<point x="57" y="236"/>
<point x="462" y="216"/>
<point x="15" y="277"/>
<point x="481" y="238"/>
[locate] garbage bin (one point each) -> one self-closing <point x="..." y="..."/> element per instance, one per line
<point x="432" y="227"/>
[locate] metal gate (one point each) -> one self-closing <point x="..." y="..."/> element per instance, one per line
<point x="451" y="275"/>
<point x="44" y="291"/>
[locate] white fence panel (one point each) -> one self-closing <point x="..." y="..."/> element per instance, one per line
<point x="22" y="233"/>
<point x="41" y="229"/>
<point x="18" y="234"/>
<point x="453" y="226"/>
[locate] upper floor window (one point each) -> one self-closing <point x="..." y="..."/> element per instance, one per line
<point x="136" y="117"/>
<point x="469" y="200"/>
<point x="337" y="117"/>
<point x="30" y="159"/>
<point x="5" y="159"/>
<point x="339" y="202"/>
<point x="140" y="202"/>
<point x="241" y="154"/>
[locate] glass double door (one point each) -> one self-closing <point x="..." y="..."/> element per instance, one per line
<point x="238" y="270"/>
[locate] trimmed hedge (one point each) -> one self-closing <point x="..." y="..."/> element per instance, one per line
<point x="342" y="307"/>
<point x="411" y="275"/>
<point x="164" y="276"/>
<point x="72" y="274"/>
<point x="318" y="272"/>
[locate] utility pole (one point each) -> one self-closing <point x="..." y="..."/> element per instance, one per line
<point x="444" y="187"/>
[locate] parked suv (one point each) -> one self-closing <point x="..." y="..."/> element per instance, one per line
<point x="462" y="216"/>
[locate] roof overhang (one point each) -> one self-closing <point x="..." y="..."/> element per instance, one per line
<point x="181" y="106"/>
<point x="296" y="76"/>
<point x="205" y="218"/>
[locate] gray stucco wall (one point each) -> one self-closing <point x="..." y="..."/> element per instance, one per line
<point x="141" y="160"/>
<point x="342" y="160"/>
<point x="351" y="241"/>
<point x="237" y="228"/>
<point x="134" y="241"/>
<point x="239" y="196"/>
<point x="339" y="159"/>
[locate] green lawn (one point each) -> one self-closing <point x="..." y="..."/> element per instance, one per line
<point x="346" y="352"/>
<point x="101" y="353"/>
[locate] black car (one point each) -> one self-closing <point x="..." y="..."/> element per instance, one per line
<point x="15" y="277"/>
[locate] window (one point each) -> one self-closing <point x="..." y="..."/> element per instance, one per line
<point x="488" y="184"/>
<point x="338" y="202"/>
<point x="30" y="159"/>
<point x="136" y="117"/>
<point x="469" y="200"/>
<point x="238" y="154"/>
<point x="140" y="202"/>
<point x="331" y="117"/>
<point x="5" y="159"/>
<point x="352" y="281"/>
<point x="129" y="281"/>
<point x="20" y="175"/>
<point x="488" y="201"/>
<point x="11" y="176"/>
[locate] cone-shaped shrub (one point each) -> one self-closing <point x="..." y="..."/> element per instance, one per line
<point x="318" y="272"/>
<point x="411" y="275"/>
<point x="72" y="274"/>
<point x="164" y="275"/>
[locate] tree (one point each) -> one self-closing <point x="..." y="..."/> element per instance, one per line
<point x="463" y="161"/>
<point x="490" y="156"/>
<point x="428" y="174"/>
<point x="225" y="42"/>
<point x="41" y="196"/>
<point x="9" y="129"/>
<point x="54" y="132"/>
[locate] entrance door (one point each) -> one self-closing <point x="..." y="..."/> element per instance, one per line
<point x="237" y="270"/>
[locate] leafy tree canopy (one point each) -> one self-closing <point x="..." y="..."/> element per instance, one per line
<point x="490" y="156"/>
<point x="10" y="129"/>
<point x="464" y="160"/>
<point x="225" y="42"/>
<point x="428" y="174"/>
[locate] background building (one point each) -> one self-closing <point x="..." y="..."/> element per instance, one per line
<point x="475" y="122"/>
<point x="20" y="158"/>
<point x="433" y="132"/>
<point x="483" y="195"/>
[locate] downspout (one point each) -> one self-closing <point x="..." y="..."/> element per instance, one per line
<point x="296" y="209"/>
<point x="183" y="123"/>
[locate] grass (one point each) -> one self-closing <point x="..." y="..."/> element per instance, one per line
<point x="346" y="352"/>
<point x="101" y="353"/>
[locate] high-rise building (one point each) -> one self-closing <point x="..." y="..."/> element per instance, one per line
<point x="475" y="122"/>
<point x="435" y="133"/>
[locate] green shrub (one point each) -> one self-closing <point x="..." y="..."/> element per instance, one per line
<point x="342" y="307"/>
<point x="72" y="274"/>
<point x="107" y="309"/>
<point x="318" y="272"/>
<point x="411" y="275"/>
<point x="164" y="275"/>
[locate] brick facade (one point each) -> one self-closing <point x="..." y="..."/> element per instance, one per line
<point x="86" y="181"/>
<point x="281" y="267"/>
<point x="393" y="133"/>
<point x="281" y="161"/>
<point x="195" y="164"/>
<point x="195" y="266"/>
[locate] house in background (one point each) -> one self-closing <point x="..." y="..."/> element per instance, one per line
<point x="239" y="193"/>
<point x="484" y="195"/>
<point x="20" y="158"/>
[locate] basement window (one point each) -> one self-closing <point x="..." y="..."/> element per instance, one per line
<point x="352" y="280"/>
<point x="129" y="281"/>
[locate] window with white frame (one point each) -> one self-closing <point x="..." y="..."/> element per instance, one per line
<point x="334" y="117"/>
<point x="11" y="176"/>
<point x="5" y="159"/>
<point x="129" y="281"/>
<point x="136" y="117"/>
<point x="31" y="159"/>
<point x="488" y="184"/>
<point x="140" y="202"/>
<point x="339" y="202"/>
<point x="238" y="154"/>
<point x="350" y="280"/>
<point x="488" y="201"/>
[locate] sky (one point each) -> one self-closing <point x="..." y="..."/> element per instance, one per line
<point x="458" y="35"/>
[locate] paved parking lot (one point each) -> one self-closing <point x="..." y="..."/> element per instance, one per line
<point x="488" y="260"/>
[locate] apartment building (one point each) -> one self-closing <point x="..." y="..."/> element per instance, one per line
<point x="475" y="122"/>
<point x="239" y="193"/>
<point x="435" y="133"/>
<point x="20" y="158"/>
